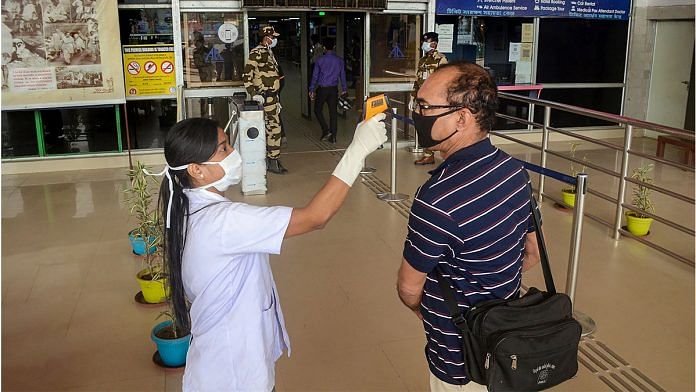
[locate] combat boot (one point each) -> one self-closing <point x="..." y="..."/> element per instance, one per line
<point x="274" y="166"/>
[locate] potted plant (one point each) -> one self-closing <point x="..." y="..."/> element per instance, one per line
<point x="171" y="339"/>
<point x="149" y="233"/>
<point x="139" y="200"/>
<point x="638" y="223"/>
<point x="569" y="193"/>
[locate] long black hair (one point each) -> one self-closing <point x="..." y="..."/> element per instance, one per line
<point x="192" y="140"/>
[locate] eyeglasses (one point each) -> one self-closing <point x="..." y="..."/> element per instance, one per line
<point x="420" y="107"/>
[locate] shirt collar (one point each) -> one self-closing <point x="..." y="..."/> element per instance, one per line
<point x="204" y="197"/>
<point x="476" y="150"/>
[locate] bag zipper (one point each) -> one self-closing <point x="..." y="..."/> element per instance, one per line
<point x="505" y="335"/>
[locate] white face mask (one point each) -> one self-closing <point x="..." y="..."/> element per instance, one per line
<point x="232" y="166"/>
<point x="426" y="47"/>
<point x="274" y="42"/>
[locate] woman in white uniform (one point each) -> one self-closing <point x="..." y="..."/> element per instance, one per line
<point x="217" y="253"/>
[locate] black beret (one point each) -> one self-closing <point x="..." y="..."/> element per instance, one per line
<point x="430" y="36"/>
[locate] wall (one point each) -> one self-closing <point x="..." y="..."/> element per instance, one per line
<point x="645" y="14"/>
<point x="666" y="3"/>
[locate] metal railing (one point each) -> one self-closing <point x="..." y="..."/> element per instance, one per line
<point x="393" y="195"/>
<point x="629" y="125"/>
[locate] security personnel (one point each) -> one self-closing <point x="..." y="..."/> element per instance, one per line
<point x="430" y="61"/>
<point x="262" y="82"/>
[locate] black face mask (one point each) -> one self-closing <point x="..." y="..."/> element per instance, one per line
<point x="424" y="128"/>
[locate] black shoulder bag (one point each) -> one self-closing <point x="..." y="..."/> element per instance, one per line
<point x="524" y="344"/>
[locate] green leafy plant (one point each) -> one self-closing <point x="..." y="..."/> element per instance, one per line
<point x="140" y="201"/>
<point x="641" y="194"/>
<point x="176" y="331"/>
<point x="574" y="166"/>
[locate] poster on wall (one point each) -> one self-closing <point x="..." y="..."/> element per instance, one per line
<point x="515" y="48"/>
<point x="149" y="70"/>
<point x="57" y="53"/>
<point x="464" y="34"/>
<point x="527" y="32"/>
<point x="446" y="36"/>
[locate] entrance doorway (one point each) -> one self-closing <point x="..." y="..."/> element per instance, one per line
<point x="299" y="31"/>
<point x="671" y="73"/>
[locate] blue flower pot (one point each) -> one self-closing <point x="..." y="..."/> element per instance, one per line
<point x="172" y="351"/>
<point x="138" y="244"/>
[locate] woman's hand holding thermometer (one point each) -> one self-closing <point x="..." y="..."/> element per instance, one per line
<point x="369" y="135"/>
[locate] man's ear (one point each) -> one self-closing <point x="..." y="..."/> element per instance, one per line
<point x="465" y="118"/>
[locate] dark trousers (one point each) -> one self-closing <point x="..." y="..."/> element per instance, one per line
<point x="328" y="95"/>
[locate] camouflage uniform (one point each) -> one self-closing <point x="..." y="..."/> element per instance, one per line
<point x="261" y="77"/>
<point x="426" y="66"/>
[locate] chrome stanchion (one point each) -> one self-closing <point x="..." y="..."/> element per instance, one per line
<point x="628" y="135"/>
<point x="416" y="149"/>
<point x="367" y="169"/>
<point x="587" y="323"/>
<point x="544" y="148"/>
<point x="393" y="196"/>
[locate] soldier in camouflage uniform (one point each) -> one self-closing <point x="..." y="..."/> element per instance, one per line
<point x="430" y="61"/>
<point x="262" y="82"/>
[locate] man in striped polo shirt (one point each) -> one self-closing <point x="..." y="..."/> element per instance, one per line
<point x="471" y="219"/>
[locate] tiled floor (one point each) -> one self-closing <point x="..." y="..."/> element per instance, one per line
<point x="69" y="321"/>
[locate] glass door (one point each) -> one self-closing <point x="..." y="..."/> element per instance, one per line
<point x="213" y="51"/>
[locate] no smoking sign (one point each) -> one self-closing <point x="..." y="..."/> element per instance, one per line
<point x="133" y="68"/>
<point x="149" y="70"/>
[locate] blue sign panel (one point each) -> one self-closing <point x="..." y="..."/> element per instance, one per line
<point x="587" y="9"/>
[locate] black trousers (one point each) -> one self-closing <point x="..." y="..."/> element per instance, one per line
<point x="328" y="95"/>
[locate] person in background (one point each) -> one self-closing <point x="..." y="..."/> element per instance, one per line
<point x="317" y="49"/>
<point x="262" y="82"/>
<point x="329" y="70"/>
<point x="200" y="52"/>
<point x="430" y="61"/>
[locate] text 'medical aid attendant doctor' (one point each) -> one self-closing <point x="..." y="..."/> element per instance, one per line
<point x="217" y="253"/>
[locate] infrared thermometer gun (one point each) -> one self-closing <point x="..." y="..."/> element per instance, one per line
<point x="375" y="105"/>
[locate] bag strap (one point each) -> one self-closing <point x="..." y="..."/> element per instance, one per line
<point x="545" y="266"/>
<point x="448" y="293"/>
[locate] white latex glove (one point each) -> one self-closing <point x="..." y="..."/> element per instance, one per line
<point x="259" y="99"/>
<point x="411" y="104"/>
<point x="369" y="135"/>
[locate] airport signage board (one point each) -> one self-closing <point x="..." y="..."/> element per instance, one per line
<point x="585" y="9"/>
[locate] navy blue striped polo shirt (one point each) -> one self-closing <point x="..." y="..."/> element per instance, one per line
<point x="470" y="220"/>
